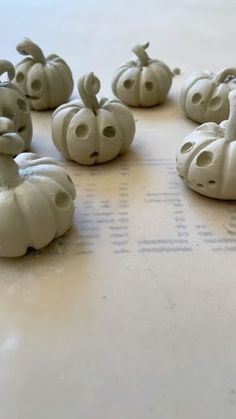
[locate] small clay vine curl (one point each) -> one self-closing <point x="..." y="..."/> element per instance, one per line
<point x="7" y="67"/>
<point x="27" y="47"/>
<point x="88" y="88"/>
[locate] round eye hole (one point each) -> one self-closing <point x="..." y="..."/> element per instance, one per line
<point x="36" y="84"/>
<point x="20" y="77"/>
<point x="128" y="83"/>
<point x="109" y="131"/>
<point x="62" y="200"/>
<point x="82" y="131"/>
<point x="149" y="85"/>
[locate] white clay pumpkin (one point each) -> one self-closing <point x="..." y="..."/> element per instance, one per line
<point x="92" y="132"/>
<point x="207" y="158"/>
<point x="13" y="105"/>
<point x="46" y="81"/>
<point x="142" y="82"/>
<point x="204" y="95"/>
<point x="36" y="197"/>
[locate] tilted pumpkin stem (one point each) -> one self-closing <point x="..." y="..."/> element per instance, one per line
<point x="7" y="67"/>
<point x="230" y="130"/>
<point x="221" y="76"/>
<point x="27" y="47"/>
<point x="143" y="57"/>
<point x="88" y="87"/>
<point x="10" y="145"/>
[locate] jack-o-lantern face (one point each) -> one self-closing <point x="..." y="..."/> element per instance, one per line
<point x="204" y="95"/>
<point x="142" y="82"/>
<point x="92" y="132"/>
<point x="46" y="82"/>
<point x="14" y="106"/>
<point x="206" y="159"/>
<point x="36" y="196"/>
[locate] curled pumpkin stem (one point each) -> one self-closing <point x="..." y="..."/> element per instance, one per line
<point x="223" y="74"/>
<point x="142" y="55"/>
<point x="7" y="67"/>
<point x="88" y="87"/>
<point x="27" y="47"/>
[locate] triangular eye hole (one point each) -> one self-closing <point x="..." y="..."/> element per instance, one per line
<point x="128" y="83"/>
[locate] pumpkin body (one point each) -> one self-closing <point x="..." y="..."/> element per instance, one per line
<point x="14" y="106"/>
<point x="46" y="82"/>
<point x="36" y="197"/>
<point x="204" y="95"/>
<point x="93" y="135"/>
<point x="207" y="158"/>
<point x="142" y="83"/>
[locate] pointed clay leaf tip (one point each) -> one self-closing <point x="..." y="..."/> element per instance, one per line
<point x="7" y="67"/>
<point x="27" y="47"/>
<point x="88" y="87"/>
<point x="230" y="131"/>
<point x="140" y="52"/>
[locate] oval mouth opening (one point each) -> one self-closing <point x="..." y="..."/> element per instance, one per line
<point x="94" y="154"/>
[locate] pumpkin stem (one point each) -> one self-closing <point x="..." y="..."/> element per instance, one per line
<point x="88" y="87"/>
<point x="7" y="67"/>
<point x="143" y="58"/>
<point x="10" y="145"/>
<point x="230" y="130"/>
<point x="223" y="74"/>
<point x="27" y="47"/>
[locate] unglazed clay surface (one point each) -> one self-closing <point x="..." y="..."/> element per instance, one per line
<point x="46" y="81"/>
<point x="142" y="82"/>
<point x="36" y="196"/>
<point x="207" y="158"/>
<point x="13" y="105"/>
<point x="93" y="131"/>
<point x="204" y="95"/>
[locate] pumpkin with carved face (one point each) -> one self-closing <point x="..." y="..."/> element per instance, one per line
<point x="142" y="82"/>
<point x="36" y="196"/>
<point x="206" y="160"/>
<point x="14" y="106"/>
<point x="93" y="131"/>
<point x="204" y="95"/>
<point x="46" y="81"/>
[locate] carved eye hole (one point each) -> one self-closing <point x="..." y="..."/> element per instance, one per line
<point x="36" y="85"/>
<point x="109" y="131"/>
<point x="128" y="83"/>
<point x="204" y="159"/>
<point x="20" y="77"/>
<point x="21" y="128"/>
<point x="22" y="105"/>
<point x="81" y="131"/>
<point x="197" y="97"/>
<point x="149" y="85"/>
<point x="62" y="200"/>
<point x="187" y="147"/>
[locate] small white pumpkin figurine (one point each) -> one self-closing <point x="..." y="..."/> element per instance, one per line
<point x="13" y="104"/>
<point x="93" y="131"/>
<point x="36" y="196"/>
<point x="46" y="81"/>
<point x="204" y="95"/>
<point x="207" y="158"/>
<point x="142" y="82"/>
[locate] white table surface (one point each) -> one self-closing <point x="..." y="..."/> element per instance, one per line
<point x="91" y="333"/>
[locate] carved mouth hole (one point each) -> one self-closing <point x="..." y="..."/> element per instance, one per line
<point x="31" y="97"/>
<point x="94" y="154"/>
